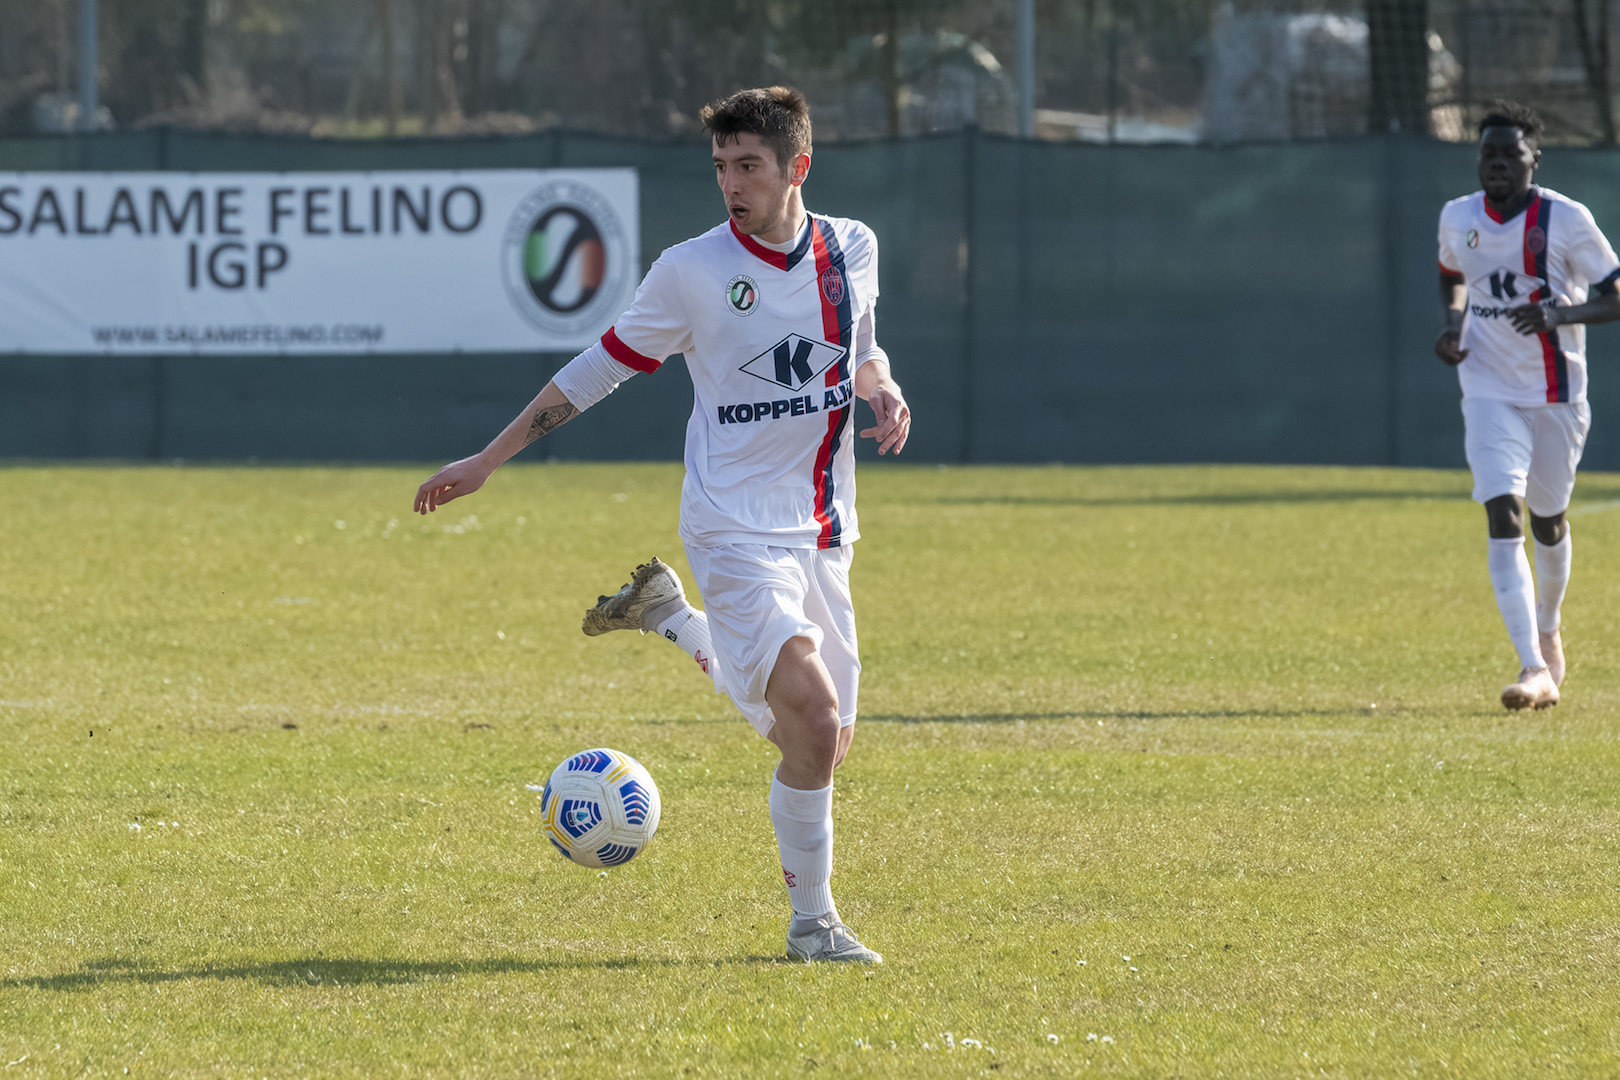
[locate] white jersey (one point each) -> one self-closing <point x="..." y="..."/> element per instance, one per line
<point x="772" y="340"/>
<point x="1552" y="250"/>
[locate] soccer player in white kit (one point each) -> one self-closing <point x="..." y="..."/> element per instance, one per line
<point x="773" y="311"/>
<point x="1521" y="269"/>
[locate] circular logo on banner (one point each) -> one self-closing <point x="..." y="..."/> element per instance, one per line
<point x="566" y="259"/>
<point x="832" y="285"/>
<point x="742" y="295"/>
<point x="1473" y="238"/>
<point x="1535" y="238"/>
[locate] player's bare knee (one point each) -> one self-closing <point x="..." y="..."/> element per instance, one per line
<point x="1549" y="531"/>
<point x="1504" y="517"/>
<point x="809" y="743"/>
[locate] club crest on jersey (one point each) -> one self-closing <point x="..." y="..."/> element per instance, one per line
<point x="832" y="285"/>
<point x="742" y="295"/>
<point x="1473" y="238"/>
<point x="1505" y="284"/>
<point x="793" y="362"/>
<point x="1535" y="238"/>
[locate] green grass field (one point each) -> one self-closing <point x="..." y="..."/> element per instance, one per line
<point x="1166" y="772"/>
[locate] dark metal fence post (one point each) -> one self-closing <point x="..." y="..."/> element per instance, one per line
<point x="1389" y="183"/>
<point x="969" y="219"/>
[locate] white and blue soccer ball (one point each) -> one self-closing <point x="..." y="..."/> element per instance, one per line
<point x="600" y="808"/>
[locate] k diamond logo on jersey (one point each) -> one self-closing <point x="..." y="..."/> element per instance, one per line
<point x="793" y="361"/>
<point x="1505" y="284"/>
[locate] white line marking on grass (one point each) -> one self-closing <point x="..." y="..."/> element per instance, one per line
<point x="1595" y="508"/>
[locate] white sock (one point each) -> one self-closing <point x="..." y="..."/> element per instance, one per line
<point x="804" y="837"/>
<point x="1516" y="597"/>
<point x="1552" y="578"/>
<point x="689" y="629"/>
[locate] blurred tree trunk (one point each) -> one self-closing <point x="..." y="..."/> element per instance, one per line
<point x="393" y="92"/>
<point x="1594" y="43"/>
<point x="427" y="61"/>
<point x="1398" y="66"/>
<point x="481" y="23"/>
<point x="194" y="48"/>
<point x="891" y="65"/>
<point x="446" y="92"/>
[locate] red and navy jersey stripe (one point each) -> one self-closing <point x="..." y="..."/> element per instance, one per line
<point x="1538" y="215"/>
<point x="832" y="285"/>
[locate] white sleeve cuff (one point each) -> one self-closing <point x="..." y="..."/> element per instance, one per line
<point x="866" y="346"/>
<point x="590" y="377"/>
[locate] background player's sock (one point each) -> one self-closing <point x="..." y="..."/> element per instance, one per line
<point x="804" y="837"/>
<point x="1516" y="597"/>
<point x="688" y="628"/>
<point x="1552" y="578"/>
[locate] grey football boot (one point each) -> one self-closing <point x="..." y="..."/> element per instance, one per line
<point x="640" y="605"/>
<point x="827" y="938"/>
<point x="1534" y="690"/>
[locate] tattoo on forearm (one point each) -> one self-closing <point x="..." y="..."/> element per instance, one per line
<point x="548" y="419"/>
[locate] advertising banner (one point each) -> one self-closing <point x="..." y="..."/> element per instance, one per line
<point x="503" y="260"/>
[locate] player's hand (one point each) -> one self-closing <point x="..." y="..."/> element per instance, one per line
<point x="893" y="419"/>
<point x="1449" y="348"/>
<point x="1534" y="318"/>
<point x="451" y="482"/>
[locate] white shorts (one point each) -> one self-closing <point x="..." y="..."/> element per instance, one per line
<point x="1526" y="450"/>
<point x="758" y="598"/>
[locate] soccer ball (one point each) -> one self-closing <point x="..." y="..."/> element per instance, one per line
<point x="600" y="808"/>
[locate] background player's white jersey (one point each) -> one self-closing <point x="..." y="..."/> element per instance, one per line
<point x="1550" y="249"/>
<point x="770" y="339"/>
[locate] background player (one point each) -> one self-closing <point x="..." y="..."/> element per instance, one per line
<point x="774" y="313"/>
<point x="1517" y="265"/>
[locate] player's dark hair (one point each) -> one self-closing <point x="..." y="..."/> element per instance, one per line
<point x="1506" y="113"/>
<point x="779" y="115"/>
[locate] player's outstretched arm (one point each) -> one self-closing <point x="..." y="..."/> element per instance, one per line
<point x="549" y="410"/>
<point x="875" y="386"/>
<point x="1539" y="318"/>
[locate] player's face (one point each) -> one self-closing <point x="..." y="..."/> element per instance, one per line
<point x="757" y="190"/>
<point x="1506" y="163"/>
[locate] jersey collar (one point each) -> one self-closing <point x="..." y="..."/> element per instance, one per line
<point x="1490" y="211"/>
<point x="782" y="260"/>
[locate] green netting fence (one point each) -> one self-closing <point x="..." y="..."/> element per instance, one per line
<point x="1041" y="302"/>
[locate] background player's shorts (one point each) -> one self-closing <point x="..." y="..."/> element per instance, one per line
<point x="1525" y="450"/>
<point x="758" y="598"/>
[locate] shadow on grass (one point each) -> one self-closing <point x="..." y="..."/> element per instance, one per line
<point x="1121" y="714"/>
<point x="326" y="971"/>
<point x="1208" y="498"/>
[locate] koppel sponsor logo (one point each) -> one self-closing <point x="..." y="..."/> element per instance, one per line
<point x="831" y="399"/>
<point x="742" y="295"/>
<point x="1484" y="311"/>
<point x="566" y="258"/>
